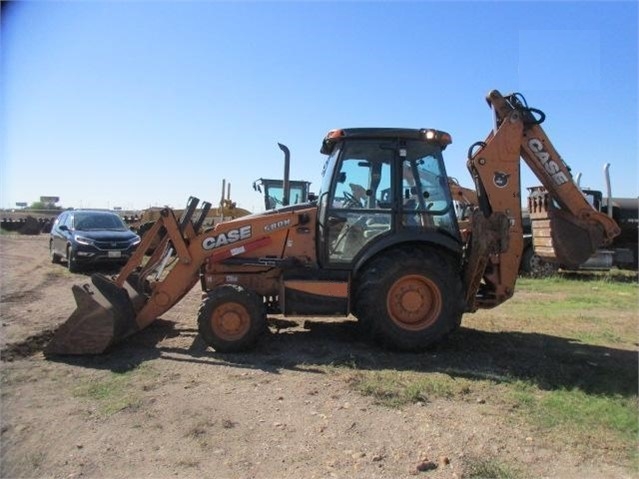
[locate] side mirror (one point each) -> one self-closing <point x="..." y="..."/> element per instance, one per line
<point x="63" y="228"/>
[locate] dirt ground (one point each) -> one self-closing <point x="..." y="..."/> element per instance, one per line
<point x="178" y="409"/>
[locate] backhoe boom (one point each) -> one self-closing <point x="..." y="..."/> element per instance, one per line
<point x="574" y="229"/>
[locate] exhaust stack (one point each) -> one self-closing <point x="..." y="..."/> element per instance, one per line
<point x="608" y="188"/>
<point x="287" y="184"/>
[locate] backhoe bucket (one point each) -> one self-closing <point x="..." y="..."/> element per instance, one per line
<point x="565" y="242"/>
<point x="559" y="237"/>
<point x="102" y="318"/>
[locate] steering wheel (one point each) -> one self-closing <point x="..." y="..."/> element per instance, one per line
<point x="351" y="201"/>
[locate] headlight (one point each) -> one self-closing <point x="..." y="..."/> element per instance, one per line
<point x="135" y="241"/>
<point x="83" y="240"/>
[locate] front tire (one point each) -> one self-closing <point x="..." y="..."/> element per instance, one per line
<point x="72" y="263"/>
<point x="231" y="319"/>
<point x="55" y="258"/>
<point x="411" y="298"/>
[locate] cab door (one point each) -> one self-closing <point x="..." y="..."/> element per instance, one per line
<point x="357" y="208"/>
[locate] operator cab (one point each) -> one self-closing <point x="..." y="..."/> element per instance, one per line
<point x="382" y="186"/>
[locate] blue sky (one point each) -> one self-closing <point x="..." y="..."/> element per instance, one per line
<point x="138" y="104"/>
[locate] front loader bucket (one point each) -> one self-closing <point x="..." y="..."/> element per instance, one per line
<point x="102" y="318"/>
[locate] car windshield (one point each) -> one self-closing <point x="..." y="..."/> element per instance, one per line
<point x="98" y="221"/>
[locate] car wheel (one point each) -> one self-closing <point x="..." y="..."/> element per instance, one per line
<point x="72" y="264"/>
<point x="55" y="258"/>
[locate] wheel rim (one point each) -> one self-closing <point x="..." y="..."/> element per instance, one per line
<point x="414" y="302"/>
<point x="230" y="321"/>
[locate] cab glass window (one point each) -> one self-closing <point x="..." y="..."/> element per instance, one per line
<point x="426" y="196"/>
<point x="364" y="178"/>
<point x="360" y="204"/>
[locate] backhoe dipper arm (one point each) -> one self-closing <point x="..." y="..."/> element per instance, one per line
<point x="574" y="229"/>
<point x="542" y="158"/>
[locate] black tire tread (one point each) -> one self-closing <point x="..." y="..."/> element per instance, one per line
<point x="227" y="293"/>
<point x="72" y="264"/>
<point x="371" y="291"/>
<point x="55" y="258"/>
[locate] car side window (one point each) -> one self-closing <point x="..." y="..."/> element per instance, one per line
<point x="62" y="220"/>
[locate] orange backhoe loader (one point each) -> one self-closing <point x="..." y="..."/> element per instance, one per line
<point x="381" y="242"/>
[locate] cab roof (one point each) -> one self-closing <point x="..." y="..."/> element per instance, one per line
<point x="441" y="138"/>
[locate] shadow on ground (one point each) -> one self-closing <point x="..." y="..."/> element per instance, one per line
<point x="548" y="361"/>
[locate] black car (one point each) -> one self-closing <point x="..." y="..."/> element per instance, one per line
<point x="86" y="237"/>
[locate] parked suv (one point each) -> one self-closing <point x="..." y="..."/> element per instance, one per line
<point x="86" y="237"/>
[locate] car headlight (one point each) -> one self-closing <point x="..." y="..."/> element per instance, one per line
<point x="83" y="240"/>
<point x="135" y="241"/>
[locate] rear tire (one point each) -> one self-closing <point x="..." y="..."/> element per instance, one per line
<point x="409" y="299"/>
<point x="231" y="319"/>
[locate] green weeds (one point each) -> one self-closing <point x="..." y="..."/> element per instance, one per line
<point x="559" y="357"/>
<point x="115" y="392"/>
<point x="491" y="469"/>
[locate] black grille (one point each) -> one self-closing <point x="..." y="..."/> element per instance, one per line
<point x="112" y="244"/>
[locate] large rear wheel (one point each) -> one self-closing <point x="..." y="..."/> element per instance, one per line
<point x="231" y="318"/>
<point x="410" y="298"/>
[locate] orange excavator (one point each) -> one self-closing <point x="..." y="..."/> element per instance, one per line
<point x="392" y="255"/>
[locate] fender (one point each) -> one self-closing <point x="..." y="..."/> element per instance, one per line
<point x="437" y="239"/>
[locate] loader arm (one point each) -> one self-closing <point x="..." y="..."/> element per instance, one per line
<point x="148" y="287"/>
<point x="574" y="228"/>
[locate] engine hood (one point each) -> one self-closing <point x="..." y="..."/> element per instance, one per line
<point x="106" y="235"/>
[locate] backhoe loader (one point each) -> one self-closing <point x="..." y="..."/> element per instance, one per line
<point x="380" y="242"/>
